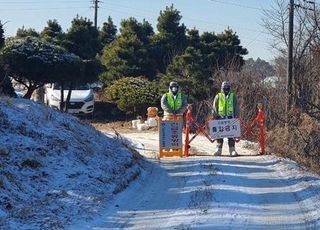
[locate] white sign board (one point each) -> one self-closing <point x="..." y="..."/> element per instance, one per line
<point x="224" y="128"/>
<point x="170" y="134"/>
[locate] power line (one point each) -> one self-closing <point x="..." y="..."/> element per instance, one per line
<point x="40" y="2"/>
<point x="131" y="14"/>
<point x="253" y="40"/>
<point x="133" y="8"/>
<point x="239" y="5"/>
<point x="46" y="8"/>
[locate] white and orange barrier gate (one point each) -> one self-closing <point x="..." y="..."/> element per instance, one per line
<point x="170" y="136"/>
<point x="170" y="132"/>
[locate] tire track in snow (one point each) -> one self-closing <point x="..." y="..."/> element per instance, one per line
<point x="247" y="192"/>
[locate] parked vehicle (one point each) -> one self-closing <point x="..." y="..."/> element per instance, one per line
<point x="81" y="100"/>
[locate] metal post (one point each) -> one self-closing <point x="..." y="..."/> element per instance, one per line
<point x="260" y="119"/>
<point x="187" y="142"/>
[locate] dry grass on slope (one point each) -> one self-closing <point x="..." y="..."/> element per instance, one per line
<point x="300" y="141"/>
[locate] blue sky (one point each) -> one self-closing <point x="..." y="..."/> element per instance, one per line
<point x="243" y="16"/>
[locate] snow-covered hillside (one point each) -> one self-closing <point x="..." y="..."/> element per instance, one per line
<point x="55" y="170"/>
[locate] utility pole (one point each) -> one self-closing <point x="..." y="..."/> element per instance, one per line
<point x="290" y="77"/>
<point x="290" y="56"/>
<point x="96" y="6"/>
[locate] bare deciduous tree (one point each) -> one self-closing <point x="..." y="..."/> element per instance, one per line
<point x="306" y="50"/>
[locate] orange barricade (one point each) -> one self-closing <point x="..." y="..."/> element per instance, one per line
<point x="200" y="129"/>
<point x="170" y="146"/>
<point x="248" y="130"/>
<point x="259" y="119"/>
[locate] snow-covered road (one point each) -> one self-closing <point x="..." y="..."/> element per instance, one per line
<point x="206" y="192"/>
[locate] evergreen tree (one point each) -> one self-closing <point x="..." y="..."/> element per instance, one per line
<point x="33" y="63"/>
<point x="195" y="68"/>
<point x="231" y="52"/>
<point x="23" y="32"/>
<point x="1" y="35"/>
<point x="5" y="82"/>
<point x="193" y="38"/>
<point x="108" y="32"/>
<point x="52" y="32"/>
<point x="171" y="39"/>
<point x="191" y="72"/>
<point x="128" y="54"/>
<point x="133" y="94"/>
<point x="82" y="38"/>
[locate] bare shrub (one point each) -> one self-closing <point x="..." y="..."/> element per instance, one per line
<point x="299" y="141"/>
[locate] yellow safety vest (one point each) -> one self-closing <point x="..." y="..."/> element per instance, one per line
<point x="226" y="105"/>
<point x="175" y="104"/>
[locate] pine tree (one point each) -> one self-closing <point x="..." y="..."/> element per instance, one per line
<point x="82" y="38"/>
<point x="52" y="32"/>
<point x="171" y="39"/>
<point x="128" y="54"/>
<point x="108" y="32"/>
<point x="5" y="82"/>
<point x="23" y="32"/>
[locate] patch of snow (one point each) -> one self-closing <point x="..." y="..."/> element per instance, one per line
<point x="54" y="169"/>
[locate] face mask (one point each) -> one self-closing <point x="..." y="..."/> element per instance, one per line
<point x="174" y="90"/>
<point x="226" y="90"/>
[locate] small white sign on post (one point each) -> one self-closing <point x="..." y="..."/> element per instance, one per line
<point x="170" y="134"/>
<point x="224" y="128"/>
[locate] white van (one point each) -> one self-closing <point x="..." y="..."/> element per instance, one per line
<point x="81" y="101"/>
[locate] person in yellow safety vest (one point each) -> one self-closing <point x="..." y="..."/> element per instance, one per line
<point x="174" y="102"/>
<point x="225" y="105"/>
